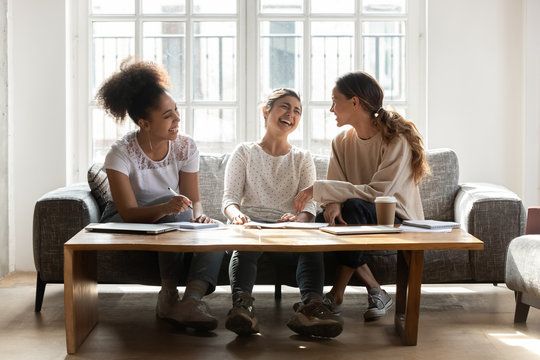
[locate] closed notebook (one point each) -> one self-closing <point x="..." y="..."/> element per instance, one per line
<point x="192" y="225"/>
<point x="284" y="225"/>
<point x="361" y="229"/>
<point x="431" y="224"/>
<point x="130" y="228"/>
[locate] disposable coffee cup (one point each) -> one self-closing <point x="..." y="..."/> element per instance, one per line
<point x="386" y="209"/>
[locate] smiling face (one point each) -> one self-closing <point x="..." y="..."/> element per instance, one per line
<point x="163" y="119"/>
<point x="284" y="116"/>
<point x="342" y="107"/>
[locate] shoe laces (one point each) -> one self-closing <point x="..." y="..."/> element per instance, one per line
<point x="244" y="301"/>
<point x="376" y="299"/>
<point x="314" y="309"/>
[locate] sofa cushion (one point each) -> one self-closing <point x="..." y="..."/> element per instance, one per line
<point x="99" y="185"/>
<point x="439" y="189"/>
<point x="211" y="175"/>
<point x="321" y="165"/>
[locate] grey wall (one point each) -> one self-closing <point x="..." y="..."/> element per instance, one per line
<point x="4" y="214"/>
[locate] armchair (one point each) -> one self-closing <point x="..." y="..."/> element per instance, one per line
<point x="523" y="267"/>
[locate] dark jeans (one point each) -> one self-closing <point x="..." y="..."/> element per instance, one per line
<point x="204" y="266"/>
<point x="359" y="212"/>
<point x="309" y="273"/>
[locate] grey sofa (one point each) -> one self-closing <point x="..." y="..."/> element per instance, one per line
<point x="490" y="212"/>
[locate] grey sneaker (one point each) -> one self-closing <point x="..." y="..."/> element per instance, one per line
<point x="315" y="319"/>
<point x="241" y="318"/>
<point x="189" y="312"/>
<point x="379" y="303"/>
<point x="330" y="303"/>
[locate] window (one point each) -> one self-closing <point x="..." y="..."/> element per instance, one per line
<point x="225" y="56"/>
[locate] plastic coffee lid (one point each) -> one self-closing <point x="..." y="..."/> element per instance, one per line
<point x="386" y="199"/>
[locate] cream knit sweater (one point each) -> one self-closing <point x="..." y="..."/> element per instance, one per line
<point x="369" y="168"/>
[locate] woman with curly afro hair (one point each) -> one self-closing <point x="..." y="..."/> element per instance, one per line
<point x="142" y="166"/>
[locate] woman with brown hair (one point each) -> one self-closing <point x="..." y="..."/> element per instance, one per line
<point x="261" y="180"/>
<point x="380" y="155"/>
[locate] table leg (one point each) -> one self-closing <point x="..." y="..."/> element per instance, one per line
<point x="408" y="289"/>
<point x="80" y="296"/>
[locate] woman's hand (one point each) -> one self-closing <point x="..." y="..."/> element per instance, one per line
<point x="332" y="212"/>
<point x="288" y="217"/>
<point x="176" y="205"/>
<point x="203" y="219"/>
<point x="302" y="198"/>
<point x="240" y="219"/>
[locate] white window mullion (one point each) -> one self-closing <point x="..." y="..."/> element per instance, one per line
<point x="359" y="39"/>
<point x="252" y="73"/>
<point x="306" y="97"/>
<point x="138" y="30"/>
<point x="241" y="71"/>
<point x="188" y="121"/>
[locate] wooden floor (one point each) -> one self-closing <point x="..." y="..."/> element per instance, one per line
<point x="458" y="321"/>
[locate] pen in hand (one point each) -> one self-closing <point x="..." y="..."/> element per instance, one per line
<point x="177" y="194"/>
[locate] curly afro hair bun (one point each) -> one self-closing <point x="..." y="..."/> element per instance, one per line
<point x="133" y="90"/>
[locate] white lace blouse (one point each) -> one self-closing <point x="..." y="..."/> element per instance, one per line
<point x="150" y="179"/>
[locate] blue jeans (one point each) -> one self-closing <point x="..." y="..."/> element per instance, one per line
<point x="360" y="212"/>
<point x="204" y="266"/>
<point x="309" y="272"/>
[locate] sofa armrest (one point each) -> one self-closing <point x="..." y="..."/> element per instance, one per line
<point x="58" y="215"/>
<point x="495" y="215"/>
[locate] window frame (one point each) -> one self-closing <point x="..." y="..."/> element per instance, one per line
<point x="248" y="126"/>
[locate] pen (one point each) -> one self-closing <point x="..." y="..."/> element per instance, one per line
<point x="177" y="194"/>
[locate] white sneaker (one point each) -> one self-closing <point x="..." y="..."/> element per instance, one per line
<point x="330" y="303"/>
<point x="379" y="303"/>
<point x="188" y="312"/>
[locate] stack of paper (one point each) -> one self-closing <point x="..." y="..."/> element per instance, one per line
<point x="431" y="224"/>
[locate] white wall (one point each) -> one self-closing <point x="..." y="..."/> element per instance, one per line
<point x="476" y="98"/>
<point x="475" y="87"/>
<point x="38" y="113"/>
<point x="531" y="102"/>
<point x="4" y="139"/>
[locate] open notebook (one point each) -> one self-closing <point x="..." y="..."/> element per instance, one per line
<point x="361" y="229"/>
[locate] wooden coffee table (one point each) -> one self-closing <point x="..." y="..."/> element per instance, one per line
<point x="80" y="272"/>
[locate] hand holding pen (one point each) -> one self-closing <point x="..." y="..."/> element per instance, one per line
<point x="185" y="197"/>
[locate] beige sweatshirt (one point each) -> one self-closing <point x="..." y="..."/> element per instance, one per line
<point x="369" y="168"/>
